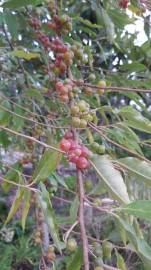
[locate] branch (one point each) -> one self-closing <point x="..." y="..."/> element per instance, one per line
<point x="108" y="267"/>
<point x="82" y="222"/>
<point x="12" y="48"/>
<point x="119" y="145"/>
<point x="116" y="88"/>
<point x="33" y="121"/>
<point x="31" y="139"/>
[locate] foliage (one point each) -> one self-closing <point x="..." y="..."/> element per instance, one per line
<point x="75" y="131"/>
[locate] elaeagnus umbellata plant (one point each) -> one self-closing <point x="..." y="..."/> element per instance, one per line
<point x="75" y="120"/>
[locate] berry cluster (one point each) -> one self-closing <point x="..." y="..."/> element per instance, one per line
<point x="78" y="51"/>
<point x="61" y="25"/>
<point x="63" y="56"/>
<point x="101" y="84"/>
<point x="64" y="90"/>
<point x="76" y="152"/>
<point x="35" y="23"/>
<point x="99" y="149"/>
<point x="50" y="255"/>
<point x="123" y="4"/>
<point x="81" y="114"/>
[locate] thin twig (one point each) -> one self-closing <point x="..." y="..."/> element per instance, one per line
<point x="116" y="88"/>
<point x="119" y="145"/>
<point x="31" y="139"/>
<point x="18" y="185"/>
<point x="82" y="222"/>
<point x="66" y="235"/>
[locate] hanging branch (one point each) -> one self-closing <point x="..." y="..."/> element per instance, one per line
<point x="82" y="221"/>
<point x="31" y="139"/>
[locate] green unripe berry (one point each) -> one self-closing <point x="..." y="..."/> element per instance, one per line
<point x="88" y="117"/>
<point x="83" y="123"/>
<point x="72" y="244"/>
<point x="107" y="249"/>
<point x="76" y="121"/>
<point x="92" y="77"/>
<point x="74" y="110"/>
<point x="101" y="149"/>
<point x="95" y="146"/>
<point x="82" y="106"/>
<point x="97" y="202"/>
<point x="88" y="185"/>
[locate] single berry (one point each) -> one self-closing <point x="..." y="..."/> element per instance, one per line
<point x="82" y="163"/>
<point x="83" y="123"/>
<point x="74" y="110"/>
<point x="65" y="145"/>
<point x="75" y="122"/>
<point x="71" y="244"/>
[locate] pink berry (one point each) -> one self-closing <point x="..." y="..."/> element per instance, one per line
<point x="82" y="163"/>
<point x="65" y="145"/>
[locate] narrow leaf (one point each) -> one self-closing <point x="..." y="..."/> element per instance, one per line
<point x="27" y="196"/>
<point x="49" y="214"/>
<point x="76" y="261"/>
<point x="137" y="167"/>
<point x="47" y="165"/>
<point x="20" y="3"/>
<point x="111" y="177"/>
<point x="26" y="55"/>
<point x="16" y="204"/>
<point x="141" y="209"/>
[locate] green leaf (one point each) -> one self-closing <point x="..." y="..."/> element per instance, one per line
<point x="87" y="22"/>
<point x="139" y="244"/>
<point x="76" y="260"/>
<point x="34" y="93"/>
<point x="47" y="164"/>
<point x="49" y="214"/>
<point x="74" y="209"/>
<point x="12" y="23"/>
<point x="120" y="261"/>
<point x="14" y="4"/>
<point x="18" y="122"/>
<point x="4" y="139"/>
<point x="133" y="67"/>
<point x="136" y="167"/>
<point x="109" y="25"/>
<point x="13" y="175"/>
<point x="26" y="55"/>
<point x="111" y="177"/>
<point x="27" y="196"/>
<point x="16" y="204"/>
<point x="5" y="116"/>
<point x="141" y="209"/>
<point x="119" y="18"/>
<point x="125" y="136"/>
<point x="135" y="119"/>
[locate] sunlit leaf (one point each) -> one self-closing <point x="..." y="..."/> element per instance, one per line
<point x="46" y="206"/>
<point x="139" y="209"/>
<point x="139" y="168"/>
<point x="111" y="177"/>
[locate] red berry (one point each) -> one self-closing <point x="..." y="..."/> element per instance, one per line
<point x="73" y="158"/>
<point x="85" y="152"/>
<point x="68" y="135"/>
<point x="64" y="98"/>
<point x="74" y="145"/>
<point x="59" y="86"/>
<point x="65" y="145"/>
<point x="82" y="163"/>
<point x="78" y="152"/>
<point x="123" y="4"/>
